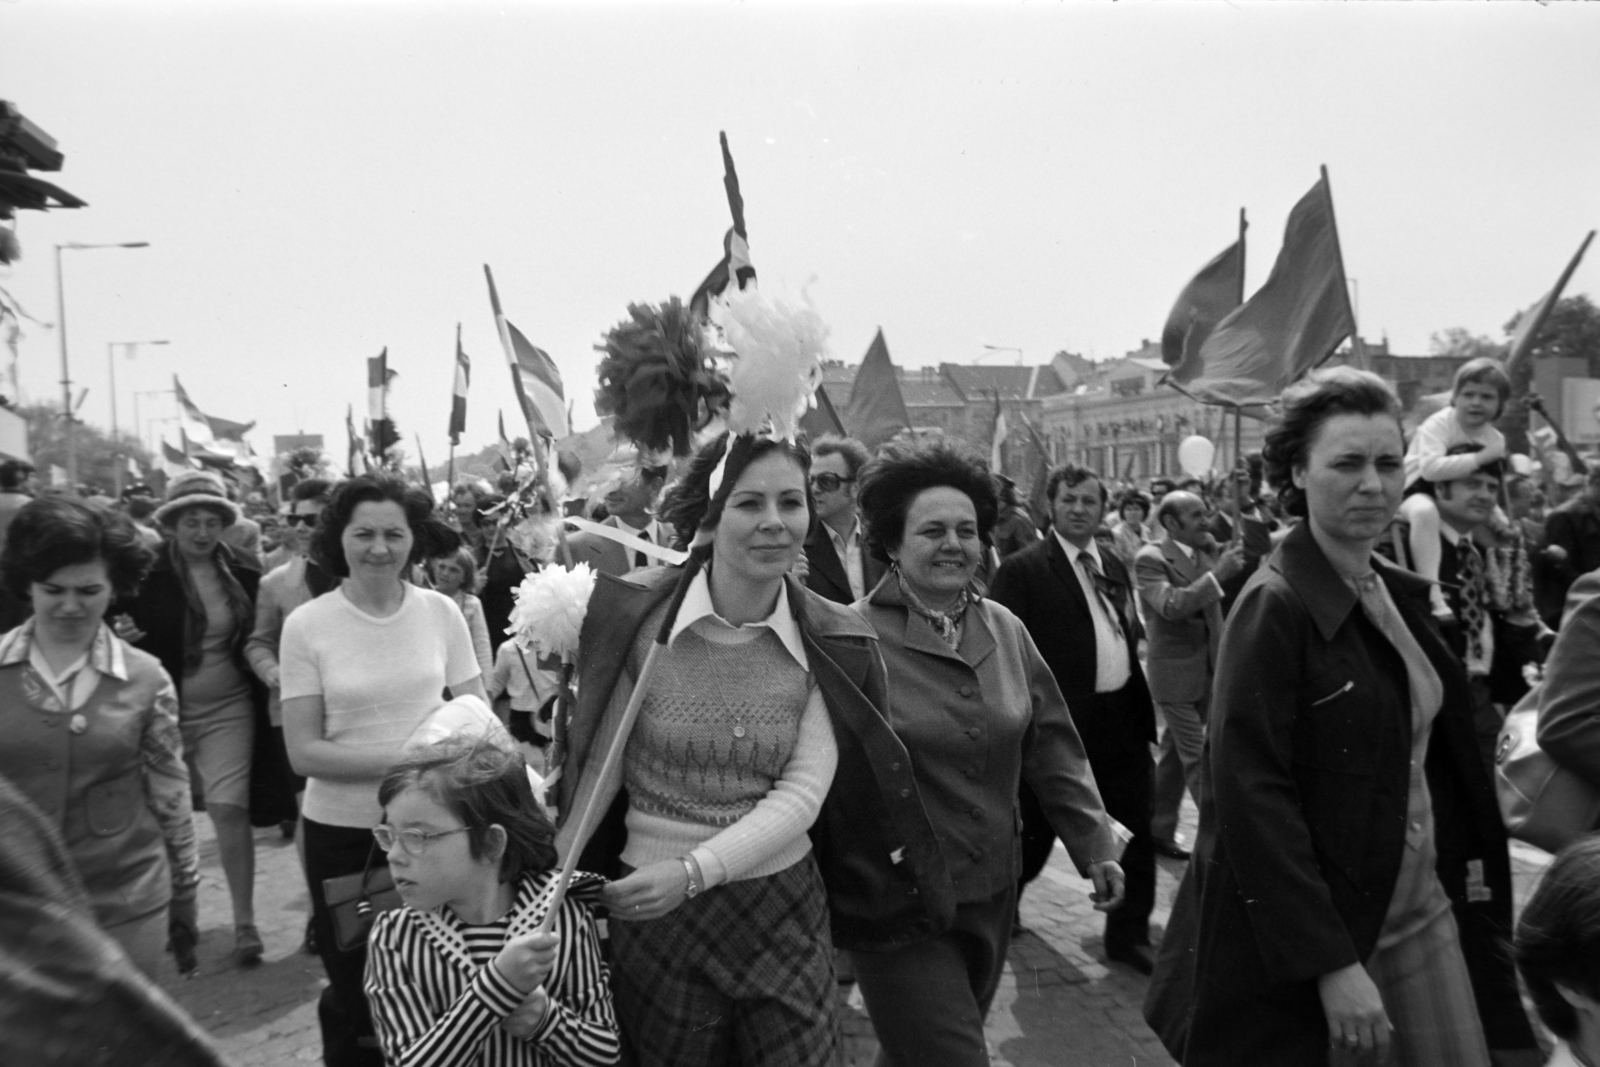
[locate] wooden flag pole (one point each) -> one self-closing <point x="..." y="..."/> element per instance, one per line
<point x="589" y="817"/>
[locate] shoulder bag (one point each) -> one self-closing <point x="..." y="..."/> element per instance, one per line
<point x="355" y="900"/>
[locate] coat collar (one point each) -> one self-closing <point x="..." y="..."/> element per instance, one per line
<point x="1328" y="597"/>
<point x="1188" y="566"/>
<point x="977" y="639"/>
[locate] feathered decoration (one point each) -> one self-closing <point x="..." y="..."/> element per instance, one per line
<point x="777" y="365"/>
<point x="10" y="248"/>
<point x="657" y="379"/>
<point x="551" y="605"/>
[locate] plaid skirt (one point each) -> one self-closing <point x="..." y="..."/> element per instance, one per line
<point x="742" y="974"/>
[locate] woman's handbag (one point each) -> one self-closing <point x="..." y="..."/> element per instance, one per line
<point x="1543" y="803"/>
<point x="355" y="900"/>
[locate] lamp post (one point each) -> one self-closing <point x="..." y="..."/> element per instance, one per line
<point x="111" y="372"/>
<point x="143" y="428"/>
<point x="61" y="329"/>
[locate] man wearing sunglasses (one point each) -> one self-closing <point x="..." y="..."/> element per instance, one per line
<point x="841" y="569"/>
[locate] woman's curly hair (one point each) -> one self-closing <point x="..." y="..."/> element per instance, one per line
<point x="891" y="481"/>
<point x="430" y="537"/>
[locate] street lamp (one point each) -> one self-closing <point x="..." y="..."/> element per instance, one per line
<point x="61" y="329"/>
<point x="111" y="372"/>
<point x="143" y="428"/>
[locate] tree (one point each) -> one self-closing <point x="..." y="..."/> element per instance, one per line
<point x="1457" y="341"/>
<point x="1571" y="331"/>
<point x="98" y="455"/>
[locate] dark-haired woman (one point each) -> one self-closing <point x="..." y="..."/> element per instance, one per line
<point x="360" y="668"/>
<point x="719" y="921"/>
<point x="195" y="612"/>
<point x="459" y="976"/>
<point x="1351" y="871"/>
<point x="90" y="725"/>
<point x="979" y="711"/>
<point x="1558" y="952"/>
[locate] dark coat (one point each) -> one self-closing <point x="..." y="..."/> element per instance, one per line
<point x="1574" y="526"/>
<point x="826" y="576"/>
<point x="1038" y="585"/>
<point x="1302" y="826"/>
<point x="875" y="846"/>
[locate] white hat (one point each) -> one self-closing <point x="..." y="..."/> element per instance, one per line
<point x="197" y="489"/>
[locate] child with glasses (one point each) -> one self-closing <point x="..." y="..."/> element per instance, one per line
<point x="459" y="975"/>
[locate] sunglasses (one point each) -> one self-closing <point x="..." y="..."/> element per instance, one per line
<point x="828" y="483"/>
<point x="296" y="520"/>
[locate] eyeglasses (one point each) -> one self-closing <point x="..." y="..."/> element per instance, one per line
<point x="413" y="842"/>
<point x="828" y="482"/>
<point x="296" y="520"/>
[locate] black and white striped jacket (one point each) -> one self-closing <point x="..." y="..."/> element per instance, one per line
<point x="432" y="1006"/>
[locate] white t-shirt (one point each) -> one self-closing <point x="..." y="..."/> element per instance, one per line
<point x="378" y="679"/>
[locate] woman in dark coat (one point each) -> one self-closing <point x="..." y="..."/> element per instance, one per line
<point x="1351" y="883"/>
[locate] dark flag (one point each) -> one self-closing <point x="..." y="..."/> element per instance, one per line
<point x="822" y="420"/>
<point x="1525" y="332"/>
<point x="458" y="395"/>
<point x="877" y="408"/>
<point x="735" y="262"/>
<point x="384" y="433"/>
<point x="1292" y="323"/>
<point x="1204" y="302"/>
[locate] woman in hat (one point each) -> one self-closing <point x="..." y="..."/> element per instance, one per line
<point x="194" y="613"/>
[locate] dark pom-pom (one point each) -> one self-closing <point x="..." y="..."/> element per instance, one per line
<point x="657" y="379"/>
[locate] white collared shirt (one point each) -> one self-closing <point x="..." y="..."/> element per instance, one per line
<point x="1476" y="668"/>
<point x="76" y="684"/>
<point x="1111" y="667"/>
<point x="848" y="549"/>
<point x="698" y="612"/>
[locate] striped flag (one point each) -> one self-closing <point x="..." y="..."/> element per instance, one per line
<point x="192" y="420"/>
<point x="997" y="449"/>
<point x="458" y="398"/>
<point x="735" y="263"/>
<point x="354" y="447"/>
<point x="380" y="425"/>
<point x="534" y="376"/>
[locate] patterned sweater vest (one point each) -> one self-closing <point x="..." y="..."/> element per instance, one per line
<point x="717" y="727"/>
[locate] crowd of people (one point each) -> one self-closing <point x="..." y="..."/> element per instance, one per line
<point x="869" y="704"/>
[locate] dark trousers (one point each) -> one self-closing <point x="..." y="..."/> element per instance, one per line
<point x="928" y="1000"/>
<point x="1126" y="781"/>
<point x="347" y="1036"/>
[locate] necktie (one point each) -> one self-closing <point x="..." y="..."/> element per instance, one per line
<point x="1104" y="589"/>
<point x="1470" y="572"/>
<point x="639" y="558"/>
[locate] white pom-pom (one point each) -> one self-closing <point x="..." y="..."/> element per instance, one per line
<point x="778" y="363"/>
<point x="551" y="605"/>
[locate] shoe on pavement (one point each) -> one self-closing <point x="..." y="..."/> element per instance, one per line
<point x="1131" y="956"/>
<point x="247" y="946"/>
<point x="1171" y="849"/>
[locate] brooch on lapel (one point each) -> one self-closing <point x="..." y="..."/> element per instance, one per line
<point x="78" y="724"/>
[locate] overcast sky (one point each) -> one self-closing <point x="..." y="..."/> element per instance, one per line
<point x="319" y="180"/>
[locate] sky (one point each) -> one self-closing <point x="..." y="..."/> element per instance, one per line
<point x="320" y="180"/>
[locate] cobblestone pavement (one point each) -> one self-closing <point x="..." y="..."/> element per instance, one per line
<point x="1058" y="1003"/>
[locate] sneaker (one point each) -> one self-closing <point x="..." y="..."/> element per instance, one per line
<point x="247" y="946"/>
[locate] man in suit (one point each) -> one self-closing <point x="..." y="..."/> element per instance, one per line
<point x="1571" y="543"/>
<point x="1181" y="587"/>
<point x="840" y="567"/>
<point x="1077" y="604"/>
<point x="630" y="507"/>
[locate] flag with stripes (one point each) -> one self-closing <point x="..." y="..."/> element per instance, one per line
<point x="458" y="396"/>
<point x="735" y="265"/>
<point x="534" y="376"/>
<point x="191" y="419"/>
<point x="381" y="427"/>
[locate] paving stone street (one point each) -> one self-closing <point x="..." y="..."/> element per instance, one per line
<point x="1058" y="1003"/>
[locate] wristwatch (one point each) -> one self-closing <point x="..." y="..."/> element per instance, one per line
<point x="693" y="871"/>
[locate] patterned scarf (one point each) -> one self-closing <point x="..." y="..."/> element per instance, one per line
<point x="947" y="623"/>
<point x="195" y="621"/>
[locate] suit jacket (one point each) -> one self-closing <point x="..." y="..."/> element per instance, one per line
<point x="1303" y="821"/>
<point x="978" y="720"/>
<point x="1040" y="588"/>
<point x="826" y="577"/>
<point x="1183" y="620"/>
<point x="1574" y="526"/>
<point x="604" y="555"/>
<point x="1569" y="696"/>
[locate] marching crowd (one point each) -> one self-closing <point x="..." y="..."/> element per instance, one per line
<point x="884" y="694"/>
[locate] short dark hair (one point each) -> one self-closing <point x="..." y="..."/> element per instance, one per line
<point x="1071" y="475"/>
<point x="315" y="490"/>
<point x="901" y="472"/>
<point x="1495" y="469"/>
<point x="854" y="452"/>
<point x="1485" y="370"/>
<point x="484" y="786"/>
<point x="429" y="536"/>
<point x="13" y="472"/>
<point x="1307" y="404"/>
<point x="1133" y="498"/>
<point x="689" y="505"/>
<point x="1558" y="936"/>
<point x="62" y="531"/>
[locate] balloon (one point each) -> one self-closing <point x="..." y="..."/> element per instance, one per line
<point x="1521" y="464"/>
<point x="1195" y="454"/>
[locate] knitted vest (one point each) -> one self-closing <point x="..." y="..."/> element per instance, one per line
<point x="684" y="760"/>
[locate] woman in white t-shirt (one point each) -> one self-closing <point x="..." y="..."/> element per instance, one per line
<point x="360" y="668"/>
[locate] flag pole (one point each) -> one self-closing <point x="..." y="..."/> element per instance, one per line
<point x="1344" y="282"/>
<point x="1513" y="358"/>
<point x="1243" y="225"/>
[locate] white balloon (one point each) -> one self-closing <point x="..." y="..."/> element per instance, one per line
<point x="1195" y="454"/>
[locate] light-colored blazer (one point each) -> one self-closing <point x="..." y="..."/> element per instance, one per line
<point x="1183" y="621"/>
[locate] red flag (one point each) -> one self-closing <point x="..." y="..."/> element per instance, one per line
<point x="1204" y="302"/>
<point x="1292" y="323"/>
<point x="877" y="408"/>
<point x="1525" y="333"/>
<point x="822" y="420"/>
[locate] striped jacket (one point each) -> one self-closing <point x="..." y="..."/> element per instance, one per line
<point x="433" y="1007"/>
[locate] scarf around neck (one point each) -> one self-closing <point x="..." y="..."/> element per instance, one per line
<point x="946" y="623"/>
<point x="195" y="620"/>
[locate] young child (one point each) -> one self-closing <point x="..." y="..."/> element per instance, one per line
<point x="459" y="976"/>
<point x="1479" y="396"/>
<point x="456" y="576"/>
<point x="520" y="690"/>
